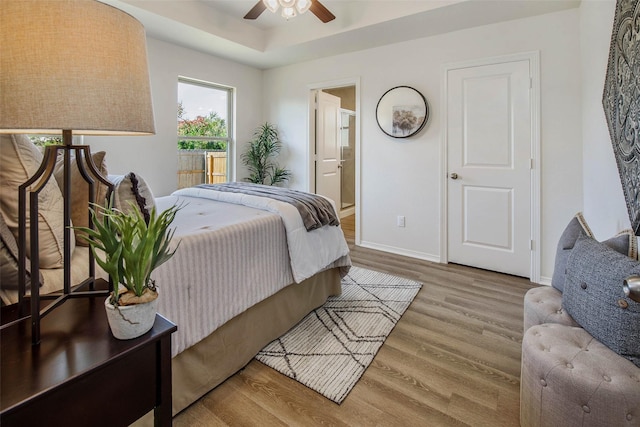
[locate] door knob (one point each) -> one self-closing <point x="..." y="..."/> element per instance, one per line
<point x="454" y="175"/>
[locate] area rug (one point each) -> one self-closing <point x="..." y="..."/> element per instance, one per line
<point x="329" y="350"/>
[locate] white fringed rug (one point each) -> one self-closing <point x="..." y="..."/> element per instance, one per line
<point x="329" y="350"/>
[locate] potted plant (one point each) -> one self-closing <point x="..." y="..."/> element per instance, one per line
<point x="129" y="249"/>
<point x="259" y="157"/>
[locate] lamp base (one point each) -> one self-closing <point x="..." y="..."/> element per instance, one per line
<point x="32" y="188"/>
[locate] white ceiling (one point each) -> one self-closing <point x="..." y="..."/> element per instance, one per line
<point x="217" y="27"/>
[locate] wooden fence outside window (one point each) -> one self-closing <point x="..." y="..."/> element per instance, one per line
<point x="200" y="167"/>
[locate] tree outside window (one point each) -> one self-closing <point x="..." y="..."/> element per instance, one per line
<point x="44" y="140"/>
<point x="210" y="126"/>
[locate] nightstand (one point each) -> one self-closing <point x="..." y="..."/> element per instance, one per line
<point x="80" y="374"/>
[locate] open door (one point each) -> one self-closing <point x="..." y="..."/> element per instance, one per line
<point x="328" y="156"/>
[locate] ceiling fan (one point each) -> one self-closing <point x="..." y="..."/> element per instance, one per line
<point x="289" y="8"/>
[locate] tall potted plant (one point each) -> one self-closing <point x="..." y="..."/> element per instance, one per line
<point x="129" y="249"/>
<point x="260" y="157"/>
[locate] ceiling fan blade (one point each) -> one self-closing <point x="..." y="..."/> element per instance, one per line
<point x="256" y="10"/>
<point x="321" y="12"/>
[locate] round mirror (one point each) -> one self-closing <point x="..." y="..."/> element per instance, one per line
<point x="402" y="112"/>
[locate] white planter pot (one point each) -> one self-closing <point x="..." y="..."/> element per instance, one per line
<point x="131" y="321"/>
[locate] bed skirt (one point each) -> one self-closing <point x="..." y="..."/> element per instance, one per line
<point x="202" y="367"/>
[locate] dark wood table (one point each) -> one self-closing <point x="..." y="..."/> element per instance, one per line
<point x="80" y="374"/>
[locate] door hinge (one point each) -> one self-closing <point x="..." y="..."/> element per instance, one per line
<point x="530" y="83"/>
<point x="530" y="163"/>
<point x="531" y="245"/>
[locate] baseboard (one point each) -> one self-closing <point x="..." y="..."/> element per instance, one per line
<point x="400" y="251"/>
<point x="545" y="281"/>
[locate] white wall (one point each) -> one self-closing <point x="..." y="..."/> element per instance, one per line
<point x="154" y="157"/>
<point x="404" y="177"/>
<point x="604" y="206"/>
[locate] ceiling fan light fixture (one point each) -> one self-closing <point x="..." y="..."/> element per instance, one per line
<point x="287" y="3"/>
<point x="272" y="5"/>
<point x="303" y="5"/>
<point x="290" y="8"/>
<point x="288" y="12"/>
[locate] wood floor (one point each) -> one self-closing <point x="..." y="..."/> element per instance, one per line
<point x="452" y="360"/>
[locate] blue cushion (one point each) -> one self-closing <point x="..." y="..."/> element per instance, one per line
<point x="594" y="297"/>
<point x="577" y="227"/>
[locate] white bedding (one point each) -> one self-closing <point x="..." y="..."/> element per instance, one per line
<point x="309" y="251"/>
<point x="230" y="258"/>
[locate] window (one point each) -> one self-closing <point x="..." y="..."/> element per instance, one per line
<point x="44" y="140"/>
<point x="204" y="132"/>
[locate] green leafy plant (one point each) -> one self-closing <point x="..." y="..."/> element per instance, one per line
<point x="128" y="248"/>
<point x="211" y="125"/>
<point x="45" y="140"/>
<point x="259" y="157"/>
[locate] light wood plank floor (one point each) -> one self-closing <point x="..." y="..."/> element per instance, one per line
<point x="452" y="360"/>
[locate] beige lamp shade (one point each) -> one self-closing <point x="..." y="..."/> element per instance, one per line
<point x="74" y="65"/>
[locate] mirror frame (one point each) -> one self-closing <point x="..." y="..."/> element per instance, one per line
<point x="401" y="97"/>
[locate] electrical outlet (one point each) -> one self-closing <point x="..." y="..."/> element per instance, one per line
<point x="401" y="221"/>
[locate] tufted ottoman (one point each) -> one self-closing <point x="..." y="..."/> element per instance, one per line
<point x="544" y="305"/>
<point x="568" y="378"/>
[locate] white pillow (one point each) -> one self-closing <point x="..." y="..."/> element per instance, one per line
<point x="9" y="260"/>
<point x="131" y="188"/>
<point x="19" y="160"/>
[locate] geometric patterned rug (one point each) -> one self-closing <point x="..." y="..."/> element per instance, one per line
<point x="329" y="350"/>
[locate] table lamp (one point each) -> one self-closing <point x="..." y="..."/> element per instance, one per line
<point x="76" y="67"/>
<point x="631" y="287"/>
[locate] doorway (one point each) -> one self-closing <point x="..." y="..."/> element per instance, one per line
<point x="340" y="184"/>
<point x="491" y="187"/>
<point x="348" y="90"/>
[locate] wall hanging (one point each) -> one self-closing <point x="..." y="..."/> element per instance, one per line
<point x="621" y="102"/>
<point x="402" y="112"/>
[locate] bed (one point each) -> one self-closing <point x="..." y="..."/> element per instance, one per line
<point x="246" y="271"/>
<point x="236" y="255"/>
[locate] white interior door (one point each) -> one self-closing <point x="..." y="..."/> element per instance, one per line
<point x="328" y="146"/>
<point x="489" y="167"/>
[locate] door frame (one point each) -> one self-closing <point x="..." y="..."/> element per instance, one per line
<point x="311" y="137"/>
<point x="352" y="209"/>
<point x="534" y="69"/>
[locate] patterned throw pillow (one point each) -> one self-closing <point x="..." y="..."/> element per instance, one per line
<point x="130" y="190"/>
<point x="577" y="227"/>
<point x="624" y="242"/>
<point x="594" y="297"/>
